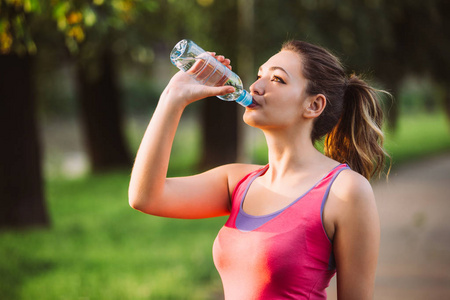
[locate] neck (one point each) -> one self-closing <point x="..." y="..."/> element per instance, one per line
<point x="290" y="152"/>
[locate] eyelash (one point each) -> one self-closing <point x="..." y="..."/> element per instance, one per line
<point x="274" y="78"/>
<point x="278" y="79"/>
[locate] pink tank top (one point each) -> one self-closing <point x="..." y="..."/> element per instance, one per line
<point x="283" y="255"/>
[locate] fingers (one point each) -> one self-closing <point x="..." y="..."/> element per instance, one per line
<point x="227" y="90"/>
<point x="218" y="91"/>
<point x="225" y="61"/>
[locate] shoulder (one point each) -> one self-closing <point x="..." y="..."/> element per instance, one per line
<point x="236" y="172"/>
<point x="350" y="186"/>
<point x="352" y="197"/>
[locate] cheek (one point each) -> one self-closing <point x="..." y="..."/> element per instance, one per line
<point x="290" y="107"/>
<point x="288" y="116"/>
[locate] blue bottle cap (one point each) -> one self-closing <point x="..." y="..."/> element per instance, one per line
<point x="245" y="99"/>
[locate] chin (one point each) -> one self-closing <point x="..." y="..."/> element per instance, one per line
<point x="252" y="120"/>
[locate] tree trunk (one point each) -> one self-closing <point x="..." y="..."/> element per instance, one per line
<point x="390" y="72"/>
<point x="447" y="102"/>
<point x="219" y="118"/>
<point x="246" y="66"/>
<point x="21" y="190"/>
<point x="391" y="107"/>
<point x="219" y="132"/>
<point x="99" y="99"/>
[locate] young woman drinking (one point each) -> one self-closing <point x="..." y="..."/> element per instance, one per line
<point x="304" y="216"/>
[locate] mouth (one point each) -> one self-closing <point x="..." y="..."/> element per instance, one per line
<point x="254" y="104"/>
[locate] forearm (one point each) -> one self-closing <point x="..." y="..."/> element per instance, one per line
<point x="148" y="178"/>
<point x="152" y="160"/>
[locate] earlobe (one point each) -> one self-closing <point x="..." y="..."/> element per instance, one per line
<point x="316" y="106"/>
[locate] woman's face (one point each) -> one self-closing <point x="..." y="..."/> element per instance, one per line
<point x="279" y="93"/>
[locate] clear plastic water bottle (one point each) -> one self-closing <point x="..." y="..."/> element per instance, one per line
<point x="204" y="68"/>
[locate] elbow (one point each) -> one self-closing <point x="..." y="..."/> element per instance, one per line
<point x="141" y="203"/>
<point x="132" y="202"/>
<point x="144" y="198"/>
<point x="135" y="201"/>
<point x="138" y="205"/>
<point x="136" y="196"/>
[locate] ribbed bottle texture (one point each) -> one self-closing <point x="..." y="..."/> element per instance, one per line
<point x="204" y="68"/>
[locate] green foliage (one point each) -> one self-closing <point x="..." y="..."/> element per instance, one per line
<point x="141" y="95"/>
<point x="73" y="18"/>
<point x="381" y="37"/>
<point x="77" y="19"/>
<point x="15" y="33"/>
<point x="420" y="94"/>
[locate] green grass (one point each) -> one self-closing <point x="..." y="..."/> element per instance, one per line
<point x="418" y="135"/>
<point x="99" y="248"/>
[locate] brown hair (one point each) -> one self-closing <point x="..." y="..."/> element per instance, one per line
<point x="352" y="118"/>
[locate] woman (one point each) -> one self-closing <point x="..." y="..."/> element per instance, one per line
<point x="304" y="216"/>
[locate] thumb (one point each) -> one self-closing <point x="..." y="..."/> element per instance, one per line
<point x="220" y="90"/>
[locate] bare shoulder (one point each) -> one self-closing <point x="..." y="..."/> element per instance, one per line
<point x="351" y="200"/>
<point x="353" y="212"/>
<point x="352" y="187"/>
<point x="240" y="169"/>
<point x="235" y="172"/>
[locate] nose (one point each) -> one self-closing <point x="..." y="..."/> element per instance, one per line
<point x="257" y="88"/>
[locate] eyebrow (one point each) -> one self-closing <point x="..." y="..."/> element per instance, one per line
<point x="276" y="68"/>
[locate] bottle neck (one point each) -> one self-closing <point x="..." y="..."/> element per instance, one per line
<point x="245" y="99"/>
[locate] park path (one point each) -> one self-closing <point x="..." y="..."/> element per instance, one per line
<point x="414" y="208"/>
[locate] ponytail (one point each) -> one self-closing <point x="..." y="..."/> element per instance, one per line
<point x="357" y="138"/>
<point x="352" y="118"/>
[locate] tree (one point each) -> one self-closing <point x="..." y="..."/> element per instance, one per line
<point x="384" y="40"/>
<point x="98" y="89"/>
<point x="101" y="112"/>
<point x="219" y="118"/>
<point x="213" y="25"/>
<point x="22" y="202"/>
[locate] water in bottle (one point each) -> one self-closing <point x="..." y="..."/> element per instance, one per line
<point x="207" y="70"/>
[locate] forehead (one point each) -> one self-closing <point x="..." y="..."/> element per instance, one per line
<point x="290" y="61"/>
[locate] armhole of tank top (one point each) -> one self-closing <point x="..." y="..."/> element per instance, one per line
<point x="325" y="198"/>
<point x="242" y="181"/>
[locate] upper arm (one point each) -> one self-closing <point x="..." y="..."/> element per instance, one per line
<point x="357" y="236"/>
<point x="199" y="196"/>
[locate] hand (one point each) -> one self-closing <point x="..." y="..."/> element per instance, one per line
<point x="225" y="61"/>
<point x="184" y="90"/>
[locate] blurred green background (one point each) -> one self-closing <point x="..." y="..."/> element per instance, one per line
<point x="79" y="81"/>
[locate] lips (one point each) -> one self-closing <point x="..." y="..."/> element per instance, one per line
<point x="254" y="103"/>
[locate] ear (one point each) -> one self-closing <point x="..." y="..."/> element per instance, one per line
<point x="316" y="105"/>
